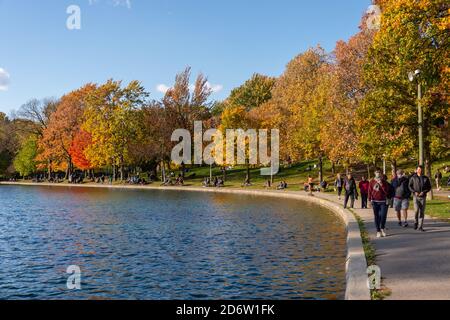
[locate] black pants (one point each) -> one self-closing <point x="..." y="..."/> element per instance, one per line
<point x="350" y="196"/>
<point x="339" y="191"/>
<point x="363" y="201"/>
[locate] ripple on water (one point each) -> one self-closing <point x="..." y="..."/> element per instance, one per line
<point x="166" y="245"/>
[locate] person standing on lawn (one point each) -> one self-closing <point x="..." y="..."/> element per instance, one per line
<point x="351" y="192"/>
<point x="378" y="193"/>
<point x="364" y="190"/>
<point x="438" y="178"/>
<point x="419" y="185"/>
<point x="401" y="197"/>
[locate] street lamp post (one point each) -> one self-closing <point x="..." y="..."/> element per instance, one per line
<point x="412" y="76"/>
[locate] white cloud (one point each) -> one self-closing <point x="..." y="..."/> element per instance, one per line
<point x="115" y="3"/>
<point x="162" y="88"/>
<point x="215" y="88"/>
<point x="4" y="80"/>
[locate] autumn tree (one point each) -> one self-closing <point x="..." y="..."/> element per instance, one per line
<point x="36" y="114"/>
<point x="413" y="35"/>
<point x="81" y="141"/>
<point x="339" y="129"/>
<point x="238" y="109"/>
<point x="184" y="107"/>
<point x="152" y="146"/>
<point x="111" y="118"/>
<point x="298" y="104"/>
<point x="62" y="128"/>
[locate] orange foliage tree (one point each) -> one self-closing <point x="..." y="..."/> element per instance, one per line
<point x="64" y="125"/>
<point x="79" y="144"/>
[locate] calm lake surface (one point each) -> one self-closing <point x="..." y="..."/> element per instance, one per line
<point x="139" y="244"/>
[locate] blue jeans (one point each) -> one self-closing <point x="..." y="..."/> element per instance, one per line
<point x="380" y="210"/>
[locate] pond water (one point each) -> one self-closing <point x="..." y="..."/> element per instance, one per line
<point x="148" y="244"/>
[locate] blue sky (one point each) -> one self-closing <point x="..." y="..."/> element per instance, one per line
<point x="152" y="40"/>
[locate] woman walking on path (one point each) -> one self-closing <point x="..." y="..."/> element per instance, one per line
<point x="378" y="192"/>
<point x="364" y="190"/>
<point x="339" y="184"/>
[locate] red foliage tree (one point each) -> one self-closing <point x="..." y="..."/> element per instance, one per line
<point x="79" y="144"/>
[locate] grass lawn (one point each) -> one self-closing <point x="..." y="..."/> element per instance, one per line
<point x="439" y="208"/>
<point x="295" y="176"/>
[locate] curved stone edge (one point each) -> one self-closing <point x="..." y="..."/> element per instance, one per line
<point x="356" y="263"/>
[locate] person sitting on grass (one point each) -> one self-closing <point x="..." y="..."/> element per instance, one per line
<point x="220" y="183"/>
<point x="167" y="182"/>
<point x="206" y="183"/>
<point x="179" y="181"/>
<point x="324" y="186"/>
<point x="282" y="185"/>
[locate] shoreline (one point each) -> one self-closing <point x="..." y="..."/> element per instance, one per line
<point x="356" y="264"/>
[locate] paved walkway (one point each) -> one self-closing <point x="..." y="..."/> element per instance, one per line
<point x="414" y="265"/>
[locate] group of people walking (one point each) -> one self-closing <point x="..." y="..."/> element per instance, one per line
<point x="383" y="194"/>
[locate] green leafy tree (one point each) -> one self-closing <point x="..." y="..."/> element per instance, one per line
<point x="253" y="93"/>
<point x="25" y="162"/>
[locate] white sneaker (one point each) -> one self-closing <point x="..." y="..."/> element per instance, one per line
<point x="378" y="234"/>
<point x="383" y="233"/>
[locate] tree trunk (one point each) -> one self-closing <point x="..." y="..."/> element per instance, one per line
<point x="163" y="171"/>
<point x="224" y="174"/>
<point x="333" y="167"/>
<point x="248" y="171"/>
<point x="428" y="162"/>
<point x="320" y="169"/>
<point x="429" y="174"/>
<point x="394" y="167"/>
<point x="368" y="171"/>
<point x="183" y="169"/>
<point x="49" y="169"/>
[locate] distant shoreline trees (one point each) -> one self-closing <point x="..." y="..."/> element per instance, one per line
<point x="353" y="105"/>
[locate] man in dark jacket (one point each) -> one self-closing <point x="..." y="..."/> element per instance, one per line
<point x="401" y="197"/>
<point x="419" y="185"/>
<point x="351" y="191"/>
